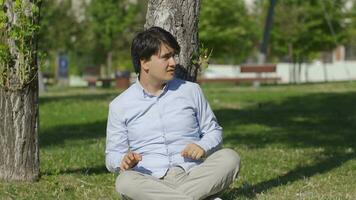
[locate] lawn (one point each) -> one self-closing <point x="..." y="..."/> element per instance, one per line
<point x="295" y="142"/>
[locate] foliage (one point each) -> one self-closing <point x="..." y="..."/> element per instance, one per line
<point x="351" y="20"/>
<point x="18" y="66"/>
<point x="301" y="29"/>
<point x="111" y="24"/>
<point x="201" y="59"/>
<point x="304" y="28"/>
<point x="229" y="29"/>
<point x="104" y="27"/>
<point x="61" y="32"/>
<point x="225" y="26"/>
<point x="58" y="26"/>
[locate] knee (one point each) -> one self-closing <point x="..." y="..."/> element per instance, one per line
<point x="125" y="182"/>
<point x="230" y="158"/>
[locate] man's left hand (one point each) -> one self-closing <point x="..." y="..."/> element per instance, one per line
<point x="193" y="151"/>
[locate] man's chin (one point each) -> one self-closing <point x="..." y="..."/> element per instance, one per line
<point x="170" y="77"/>
<point x="167" y="79"/>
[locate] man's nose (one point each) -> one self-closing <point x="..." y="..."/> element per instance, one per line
<point x="172" y="62"/>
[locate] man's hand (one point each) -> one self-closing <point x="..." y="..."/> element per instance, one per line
<point x="193" y="151"/>
<point x="130" y="160"/>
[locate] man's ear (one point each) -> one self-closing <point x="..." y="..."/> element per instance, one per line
<point x="144" y="65"/>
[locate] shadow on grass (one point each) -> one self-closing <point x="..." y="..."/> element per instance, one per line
<point x="77" y="97"/>
<point x="58" y="134"/>
<point x="302" y="172"/>
<point x="81" y="171"/>
<point x="324" y="120"/>
<point x="317" y="120"/>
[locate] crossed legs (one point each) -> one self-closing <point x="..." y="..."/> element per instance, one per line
<point x="214" y="175"/>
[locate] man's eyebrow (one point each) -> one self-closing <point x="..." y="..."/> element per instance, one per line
<point x="167" y="55"/>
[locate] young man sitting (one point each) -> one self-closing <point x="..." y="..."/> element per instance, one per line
<point x="162" y="135"/>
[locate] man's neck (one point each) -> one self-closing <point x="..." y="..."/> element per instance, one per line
<point x="151" y="86"/>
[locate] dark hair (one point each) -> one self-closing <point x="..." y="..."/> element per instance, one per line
<point x="148" y="42"/>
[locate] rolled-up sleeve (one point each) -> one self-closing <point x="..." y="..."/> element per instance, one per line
<point x="116" y="140"/>
<point x="210" y="130"/>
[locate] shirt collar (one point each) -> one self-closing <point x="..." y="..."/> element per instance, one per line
<point x="147" y="94"/>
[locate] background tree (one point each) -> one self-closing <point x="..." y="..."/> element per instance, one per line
<point x="58" y="26"/>
<point x="95" y="33"/>
<point x="308" y="28"/>
<point x="180" y="18"/>
<point x="110" y="26"/>
<point x="351" y="31"/>
<point x="229" y="29"/>
<point x="60" y="32"/>
<point x="19" y="158"/>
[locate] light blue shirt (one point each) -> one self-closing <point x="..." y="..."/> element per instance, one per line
<point x="160" y="127"/>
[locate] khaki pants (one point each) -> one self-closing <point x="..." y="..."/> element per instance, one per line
<point x="214" y="175"/>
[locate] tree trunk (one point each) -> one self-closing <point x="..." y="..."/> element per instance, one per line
<point x="109" y="64"/>
<point x="19" y="159"/>
<point x="299" y="71"/>
<point x="19" y="154"/>
<point x="179" y="17"/>
<point x="325" y="72"/>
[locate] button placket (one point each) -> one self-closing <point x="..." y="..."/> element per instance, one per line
<point x="163" y="131"/>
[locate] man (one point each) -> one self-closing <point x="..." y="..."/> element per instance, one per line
<point x="162" y="135"/>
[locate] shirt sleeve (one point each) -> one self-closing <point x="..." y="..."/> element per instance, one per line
<point x="116" y="140"/>
<point x="210" y="130"/>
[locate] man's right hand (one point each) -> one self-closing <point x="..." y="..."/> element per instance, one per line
<point x="130" y="160"/>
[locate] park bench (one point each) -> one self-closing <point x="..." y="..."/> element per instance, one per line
<point x="90" y="75"/>
<point x="120" y="82"/>
<point x="264" y="73"/>
<point x="106" y="82"/>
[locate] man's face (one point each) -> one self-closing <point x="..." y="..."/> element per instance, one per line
<point x="160" y="68"/>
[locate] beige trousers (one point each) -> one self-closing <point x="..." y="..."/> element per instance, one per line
<point x="214" y="175"/>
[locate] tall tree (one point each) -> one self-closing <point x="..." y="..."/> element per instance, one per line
<point x="59" y="32"/>
<point x="351" y="32"/>
<point x="180" y="18"/>
<point x="58" y="26"/>
<point x="110" y="22"/>
<point x="92" y="35"/>
<point x="19" y="159"/>
<point x="308" y="28"/>
<point x="228" y="28"/>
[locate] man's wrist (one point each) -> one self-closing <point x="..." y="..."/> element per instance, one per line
<point x="202" y="146"/>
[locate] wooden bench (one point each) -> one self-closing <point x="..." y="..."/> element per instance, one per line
<point x="106" y="82"/>
<point x="90" y="75"/>
<point x="91" y="81"/>
<point x="257" y="70"/>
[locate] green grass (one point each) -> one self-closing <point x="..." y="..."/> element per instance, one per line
<point x="295" y="142"/>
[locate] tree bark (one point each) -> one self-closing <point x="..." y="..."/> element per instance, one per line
<point x="19" y="159"/>
<point x="109" y="64"/>
<point x="19" y="153"/>
<point x="180" y="18"/>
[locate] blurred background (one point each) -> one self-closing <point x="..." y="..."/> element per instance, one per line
<point x="296" y="141"/>
<point x="87" y="42"/>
